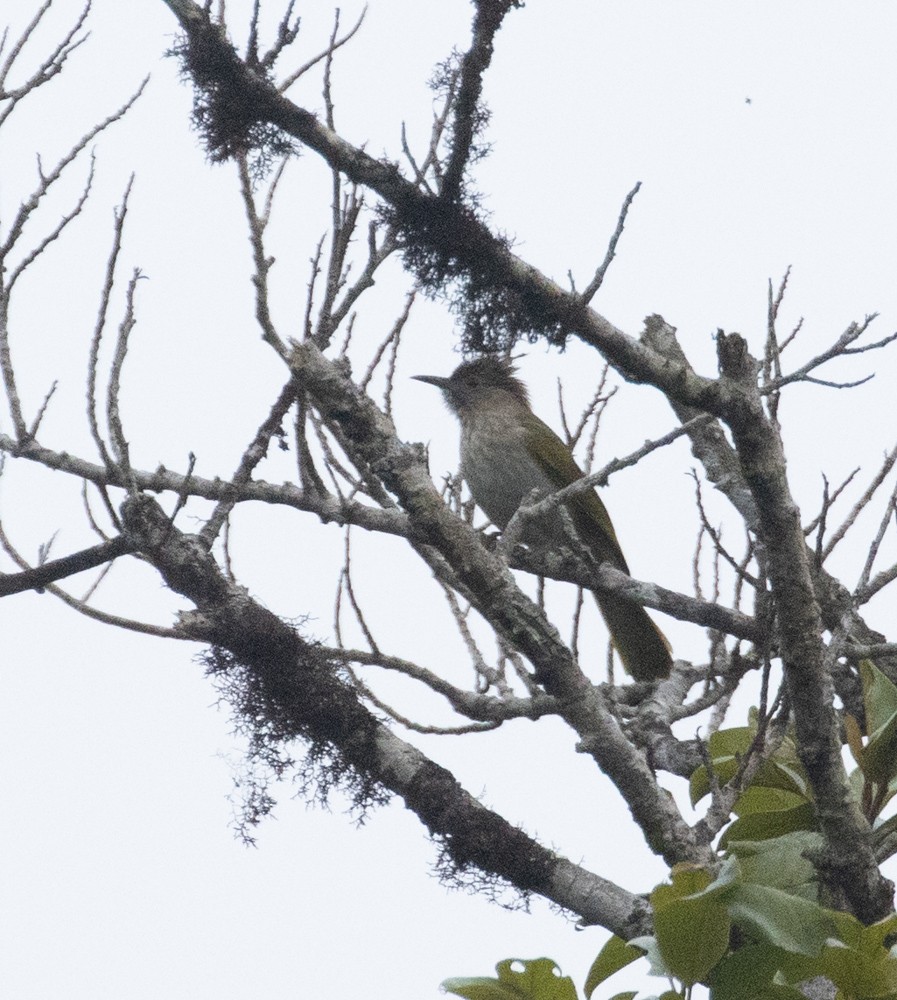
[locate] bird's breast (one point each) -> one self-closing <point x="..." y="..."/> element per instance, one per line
<point x="498" y="469"/>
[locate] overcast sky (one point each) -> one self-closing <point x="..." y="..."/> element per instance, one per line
<point x="763" y="135"/>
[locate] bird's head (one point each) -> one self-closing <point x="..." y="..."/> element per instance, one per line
<point x="486" y="379"/>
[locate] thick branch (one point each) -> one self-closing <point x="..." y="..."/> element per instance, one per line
<point x="303" y="688"/>
<point x="850" y="862"/>
<point x="461" y="236"/>
<point x="59" y="569"/>
<point x="517" y="619"/>
<point x="468" y="115"/>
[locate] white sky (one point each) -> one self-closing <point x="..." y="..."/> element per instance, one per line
<point x="120" y="874"/>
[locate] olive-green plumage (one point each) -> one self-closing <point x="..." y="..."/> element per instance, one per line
<point x="506" y="453"/>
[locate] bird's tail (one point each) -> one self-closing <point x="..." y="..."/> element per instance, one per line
<point x="643" y="648"/>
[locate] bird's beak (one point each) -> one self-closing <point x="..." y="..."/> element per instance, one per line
<point x="437" y="380"/>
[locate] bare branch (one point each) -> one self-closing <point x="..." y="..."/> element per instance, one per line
<point x="388" y="341"/>
<point x="418" y="727"/>
<point x="105" y="297"/>
<point x="716" y="537"/>
<point x="54" y="234"/>
<point x="477" y="706"/>
<point x="431" y="162"/>
<point x="257" y="450"/>
<point x="552" y="502"/>
<point x="79" y="605"/>
<point x="855" y="511"/>
<point x="514" y="616"/>
<point x="113" y="412"/>
<point x="27" y="208"/>
<point x="328" y="508"/>
<point x="335" y="43"/>
<point x="35" y="425"/>
<point x="263" y="263"/>
<point x="376" y="256"/>
<point x="58" y="569"/>
<point x="759" y="447"/>
<point x="863" y="587"/>
<point x="828" y="500"/>
<point x="469" y="117"/>
<point x="50" y="67"/>
<point x="346" y="583"/>
<point x="295" y="680"/>
<point x="598" y="279"/>
<point x="486" y="677"/>
<point x="841" y="348"/>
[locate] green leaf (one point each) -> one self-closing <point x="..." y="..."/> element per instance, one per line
<point x="879" y="696"/>
<point x="762" y="798"/>
<point x="479" y="988"/>
<point x="855" y="973"/>
<point x="740" y="975"/>
<point x="880" y="932"/>
<point x="778" y="772"/>
<point x="723" y="747"/>
<point x="763" y="825"/>
<point x="615" y="955"/>
<point x="726" y="742"/>
<point x="656" y="964"/>
<point x="536" y="979"/>
<point x="686" y="880"/>
<point x="625" y="996"/>
<point x="691" y="881"/>
<point x="854" y="738"/>
<point x="779" y="918"/>
<point x="780" y="862"/>
<point x="879" y="757"/>
<point x="727" y="748"/>
<point x="859" y="974"/>
<point x="690" y="922"/>
<point x="693" y="935"/>
<point x="847" y="929"/>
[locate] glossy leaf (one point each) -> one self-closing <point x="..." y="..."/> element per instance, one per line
<point x="693" y="935"/>
<point x="855" y="973"/>
<point x="879" y="697"/>
<point x="740" y="975"/>
<point x="656" y="964"/>
<point x="879" y="756"/>
<point x="780" y="918"/>
<point x="615" y="955"/>
<point x="691" y="922"/>
<point x="727" y="748"/>
<point x="763" y="825"/>
<point x="536" y="979"/>
<point x="780" y="862"/>
<point x="763" y="798"/>
<point x="880" y="933"/>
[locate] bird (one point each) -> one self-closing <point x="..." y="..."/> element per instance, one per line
<point x="507" y="453"/>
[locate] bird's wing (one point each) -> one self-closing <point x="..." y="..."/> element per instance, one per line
<point x="589" y="513"/>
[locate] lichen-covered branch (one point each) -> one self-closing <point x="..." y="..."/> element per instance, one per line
<point x="298" y="688"/>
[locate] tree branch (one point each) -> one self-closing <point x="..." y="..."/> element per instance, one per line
<point x="304" y="698"/>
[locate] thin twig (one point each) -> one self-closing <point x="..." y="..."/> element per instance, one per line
<point x="263" y="263"/>
<point x="252" y="456"/>
<point x="326" y="54"/>
<point x="113" y="412"/>
<point x="105" y="296"/>
<point x="885" y="467"/>
<point x="598" y="279"/>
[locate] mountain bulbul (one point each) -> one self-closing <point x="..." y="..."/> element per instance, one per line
<point x="507" y="452"/>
